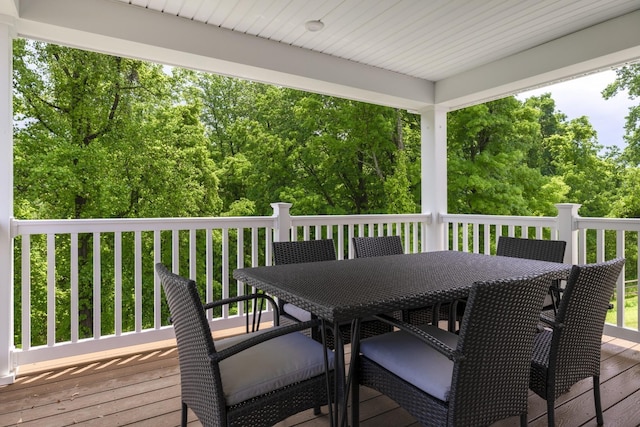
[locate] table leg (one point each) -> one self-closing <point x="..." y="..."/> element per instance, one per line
<point x="344" y="378"/>
<point x="352" y="378"/>
<point x="323" y="335"/>
<point x="339" y="369"/>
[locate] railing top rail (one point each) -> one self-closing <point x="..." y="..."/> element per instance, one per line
<point x="62" y="226"/>
<point x="625" y="224"/>
<point x="538" y="221"/>
<point x="359" y="219"/>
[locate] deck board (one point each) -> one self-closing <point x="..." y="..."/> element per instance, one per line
<point x="142" y="389"/>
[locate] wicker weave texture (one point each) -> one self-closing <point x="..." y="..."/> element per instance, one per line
<point x="305" y="251"/>
<point x="346" y="289"/>
<point x="570" y="353"/>
<point x="377" y="246"/>
<point x="201" y="384"/>
<point x="301" y="252"/>
<point x="200" y="379"/>
<point x="491" y="363"/>
<point x="541" y="250"/>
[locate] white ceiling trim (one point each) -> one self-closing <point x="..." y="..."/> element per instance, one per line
<point x="116" y="27"/>
<point x="602" y="46"/>
<point x="120" y="29"/>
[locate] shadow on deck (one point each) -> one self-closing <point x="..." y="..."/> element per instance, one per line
<point x="143" y="388"/>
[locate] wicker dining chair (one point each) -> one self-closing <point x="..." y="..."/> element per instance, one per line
<point x="540" y="250"/>
<point x="374" y="246"/>
<point x="473" y="378"/>
<point x="257" y="379"/>
<point x="316" y="251"/>
<point x="377" y="246"/>
<point x="569" y="350"/>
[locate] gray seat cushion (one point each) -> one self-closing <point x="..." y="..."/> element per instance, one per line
<point x="414" y="361"/>
<point x="297" y="312"/>
<point x="269" y="365"/>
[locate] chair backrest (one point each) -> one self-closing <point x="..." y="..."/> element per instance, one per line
<point x="303" y="251"/>
<point x="575" y="347"/>
<point x="540" y="250"/>
<point x="377" y="246"/>
<point x="200" y="377"/>
<point x="491" y="379"/>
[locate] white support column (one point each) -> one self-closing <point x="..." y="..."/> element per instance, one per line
<point x="433" y="126"/>
<point x="567" y="231"/>
<point x="7" y="374"/>
<point x="282" y="222"/>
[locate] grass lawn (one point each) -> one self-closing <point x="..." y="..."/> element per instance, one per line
<point x="630" y="312"/>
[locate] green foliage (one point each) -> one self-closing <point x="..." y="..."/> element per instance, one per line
<point x="325" y="155"/>
<point x="397" y="188"/>
<point x="630" y="312"/>
<point x="101" y="137"/>
<point x="98" y="136"/>
<point x="627" y="203"/>
<point x="489" y="148"/>
<point x="628" y="78"/>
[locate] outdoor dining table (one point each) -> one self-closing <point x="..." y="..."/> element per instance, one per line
<point x="347" y="290"/>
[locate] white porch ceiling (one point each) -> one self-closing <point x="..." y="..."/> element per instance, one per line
<point x="405" y="53"/>
<point x="431" y="40"/>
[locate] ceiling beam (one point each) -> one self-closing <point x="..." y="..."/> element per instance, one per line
<point x="599" y="47"/>
<point x="120" y="29"/>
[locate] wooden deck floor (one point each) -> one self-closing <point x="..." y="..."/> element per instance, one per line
<point x="143" y="389"/>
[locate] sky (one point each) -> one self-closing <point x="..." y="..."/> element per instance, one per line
<point x="582" y="97"/>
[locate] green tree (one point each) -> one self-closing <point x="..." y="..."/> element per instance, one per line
<point x="627" y="203"/>
<point x="488" y="150"/>
<point x="99" y="136"/>
<point x="591" y="179"/>
<point x="628" y="78"/>
<point x="323" y="154"/>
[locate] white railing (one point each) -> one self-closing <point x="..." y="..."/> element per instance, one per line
<point x="95" y="277"/>
<point x="602" y="239"/>
<point x="411" y="228"/>
<point x="76" y="259"/>
<point x="480" y="233"/>
<point x="61" y="263"/>
<point x="589" y="240"/>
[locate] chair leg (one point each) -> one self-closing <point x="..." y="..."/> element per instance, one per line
<point x="435" y="315"/>
<point x="551" y="403"/>
<point x="184" y="415"/>
<point x="355" y="400"/>
<point x="523" y="420"/>
<point x="598" y="401"/>
<point x="453" y="311"/>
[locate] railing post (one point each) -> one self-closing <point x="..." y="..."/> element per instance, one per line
<point x="567" y="231"/>
<point x="7" y="371"/>
<point x="282" y="221"/>
<point x="433" y="129"/>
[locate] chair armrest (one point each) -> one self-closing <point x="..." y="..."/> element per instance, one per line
<point x="226" y="301"/>
<point x="256" y="295"/>
<point x="450" y="353"/>
<point x="262" y="337"/>
<point x="248" y="297"/>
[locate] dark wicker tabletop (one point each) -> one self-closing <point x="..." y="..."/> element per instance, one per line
<point x="346" y="289"/>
